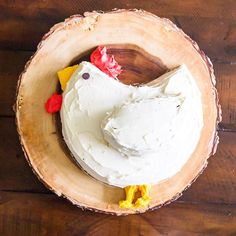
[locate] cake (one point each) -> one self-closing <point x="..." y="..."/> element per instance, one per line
<point x="127" y="135"/>
<point x="152" y="134"/>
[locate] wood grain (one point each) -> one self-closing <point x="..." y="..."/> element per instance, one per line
<point x="226" y="87"/>
<point x="138" y="66"/>
<point x="195" y="17"/>
<point x="218" y="42"/>
<point x="12" y="64"/>
<point x="153" y="39"/>
<point x="216" y="184"/>
<point x="39" y="214"/>
<point x="55" y="9"/>
<point x="15" y="173"/>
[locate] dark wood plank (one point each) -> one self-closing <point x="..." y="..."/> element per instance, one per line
<point x="216" y="184"/>
<point x="12" y="63"/>
<point x="37" y="214"/>
<point x="215" y="36"/>
<point x="15" y="173"/>
<point x="218" y="181"/>
<point x="23" y="23"/>
<point x="226" y="86"/>
<point x="209" y="8"/>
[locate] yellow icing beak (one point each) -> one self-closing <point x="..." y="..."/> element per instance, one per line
<point x="130" y="193"/>
<point x="65" y="74"/>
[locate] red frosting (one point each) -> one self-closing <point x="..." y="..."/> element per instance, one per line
<point x="104" y="62"/>
<point x="53" y="104"/>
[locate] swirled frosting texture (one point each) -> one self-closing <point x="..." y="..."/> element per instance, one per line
<point x="126" y="135"/>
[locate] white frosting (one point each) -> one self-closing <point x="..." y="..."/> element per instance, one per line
<point x="126" y="135"/>
<point x="141" y="127"/>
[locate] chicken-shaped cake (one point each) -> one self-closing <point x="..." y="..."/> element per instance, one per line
<point x="130" y="136"/>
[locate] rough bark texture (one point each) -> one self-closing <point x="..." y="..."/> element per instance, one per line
<point x="37" y="129"/>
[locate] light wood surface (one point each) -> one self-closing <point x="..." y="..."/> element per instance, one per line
<point x="28" y="208"/>
<point x="146" y="47"/>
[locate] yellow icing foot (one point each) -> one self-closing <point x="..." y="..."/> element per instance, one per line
<point x="130" y="193"/>
<point x="142" y="202"/>
<point x="125" y="204"/>
<point x="65" y="74"/>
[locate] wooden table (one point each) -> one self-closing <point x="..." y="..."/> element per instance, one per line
<point x="207" y="208"/>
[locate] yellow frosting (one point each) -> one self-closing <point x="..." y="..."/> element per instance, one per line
<point x="65" y="74"/>
<point x="130" y="193"/>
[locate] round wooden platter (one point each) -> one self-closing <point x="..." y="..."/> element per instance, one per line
<point x="146" y="46"/>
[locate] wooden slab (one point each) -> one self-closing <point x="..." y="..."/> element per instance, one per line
<point x="39" y="214"/>
<point x="159" y="45"/>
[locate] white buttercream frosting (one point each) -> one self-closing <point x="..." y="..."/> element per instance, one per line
<point x="127" y="135"/>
